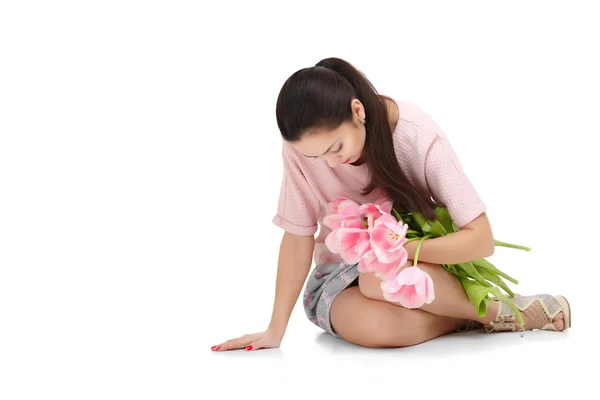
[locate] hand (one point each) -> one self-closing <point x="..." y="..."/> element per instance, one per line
<point x="255" y="341"/>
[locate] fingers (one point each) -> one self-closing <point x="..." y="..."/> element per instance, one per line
<point x="238" y="343"/>
<point x="257" y="344"/>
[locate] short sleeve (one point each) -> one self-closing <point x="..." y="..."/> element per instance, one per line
<point x="448" y="183"/>
<point x="298" y="207"/>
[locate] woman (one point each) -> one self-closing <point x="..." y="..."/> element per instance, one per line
<point x="341" y="138"/>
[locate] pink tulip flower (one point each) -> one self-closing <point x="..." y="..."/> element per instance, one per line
<point x="345" y="241"/>
<point x="387" y="239"/>
<point x="342" y="209"/>
<point x="412" y="288"/>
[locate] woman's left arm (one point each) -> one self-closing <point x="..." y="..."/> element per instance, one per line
<point x="449" y="185"/>
<point x="474" y="240"/>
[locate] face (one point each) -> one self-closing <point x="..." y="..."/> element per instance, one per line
<point x="343" y="145"/>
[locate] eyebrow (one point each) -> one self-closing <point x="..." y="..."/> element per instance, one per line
<point x="326" y="151"/>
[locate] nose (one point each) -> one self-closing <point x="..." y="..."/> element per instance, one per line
<point x="334" y="161"/>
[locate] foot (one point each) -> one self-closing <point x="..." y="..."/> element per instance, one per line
<point x="535" y="312"/>
<point x="539" y="312"/>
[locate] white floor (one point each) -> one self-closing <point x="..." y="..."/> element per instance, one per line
<point x="157" y="347"/>
<point x="545" y="365"/>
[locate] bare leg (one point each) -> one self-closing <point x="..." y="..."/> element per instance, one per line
<point x="372" y="323"/>
<point x="450" y="297"/>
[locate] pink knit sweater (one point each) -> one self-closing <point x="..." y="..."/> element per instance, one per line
<point x="424" y="154"/>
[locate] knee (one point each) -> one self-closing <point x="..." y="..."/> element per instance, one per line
<point x="370" y="286"/>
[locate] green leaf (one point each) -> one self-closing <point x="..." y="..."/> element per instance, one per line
<point x="451" y="268"/>
<point x="477" y="294"/>
<point x="437" y="230"/>
<point x="483" y="263"/>
<point x="494" y="278"/>
<point x="444" y="219"/>
<point x="472" y="272"/>
<point x="420" y="220"/>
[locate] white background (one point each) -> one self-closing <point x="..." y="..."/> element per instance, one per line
<point x="140" y="167"/>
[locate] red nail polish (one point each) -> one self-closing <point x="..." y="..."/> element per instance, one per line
<point x="214" y="347"/>
<point x="248" y="347"/>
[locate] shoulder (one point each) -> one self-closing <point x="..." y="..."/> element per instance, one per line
<point x="413" y="137"/>
<point x="415" y="132"/>
<point x="413" y="115"/>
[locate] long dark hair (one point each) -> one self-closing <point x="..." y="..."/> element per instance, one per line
<point x="319" y="97"/>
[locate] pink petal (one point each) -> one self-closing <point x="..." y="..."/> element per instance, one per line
<point x="368" y="208"/>
<point x="429" y="292"/>
<point x="363" y="268"/>
<point x="374" y="265"/>
<point x="332" y="221"/>
<point x="403" y="256"/>
<point x="334" y="205"/>
<point x="331" y="242"/>
<point x="399" y="228"/>
<point x="400" y="295"/>
<point x="336" y="202"/>
<point x="347" y="239"/>
<point x="386" y="206"/>
<point x="386" y="219"/>
<point x="410" y="275"/>
<point x="352" y="222"/>
<point x="363" y="246"/>
<point x="385" y="255"/>
<point x="349" y="207"/>
<point x="420" y="287"/>
<point x="390" y="286"/>
<point x="335" y="221"/>
<point x="385" y="271"/>
<point x="369" y="257"/>
<point x="388" y="237"/>
<point x="409" y="298"/>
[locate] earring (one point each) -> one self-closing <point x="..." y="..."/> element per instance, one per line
<point x="364" y="122"/>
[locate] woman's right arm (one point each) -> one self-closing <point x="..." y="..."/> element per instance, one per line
<point x="295" y="260"/>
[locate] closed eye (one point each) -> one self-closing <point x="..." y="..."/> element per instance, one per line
<point x="334" y="151"/>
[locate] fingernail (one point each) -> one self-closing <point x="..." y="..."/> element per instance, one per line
<point x="214" y="347"/>
<point x="248" y="347"/>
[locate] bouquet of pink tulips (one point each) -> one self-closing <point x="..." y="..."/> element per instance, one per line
<point x="373" y="235"/>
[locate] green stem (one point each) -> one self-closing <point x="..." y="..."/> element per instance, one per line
<point x="512" y="246"/>
<point x="419" y="248"/>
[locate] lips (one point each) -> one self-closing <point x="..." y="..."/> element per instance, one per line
<point x="347" y="161"/>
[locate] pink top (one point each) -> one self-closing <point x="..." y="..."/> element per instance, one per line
<point x="424" y="154"/>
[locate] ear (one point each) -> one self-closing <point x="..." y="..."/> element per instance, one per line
<point x="358" y="110"/>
